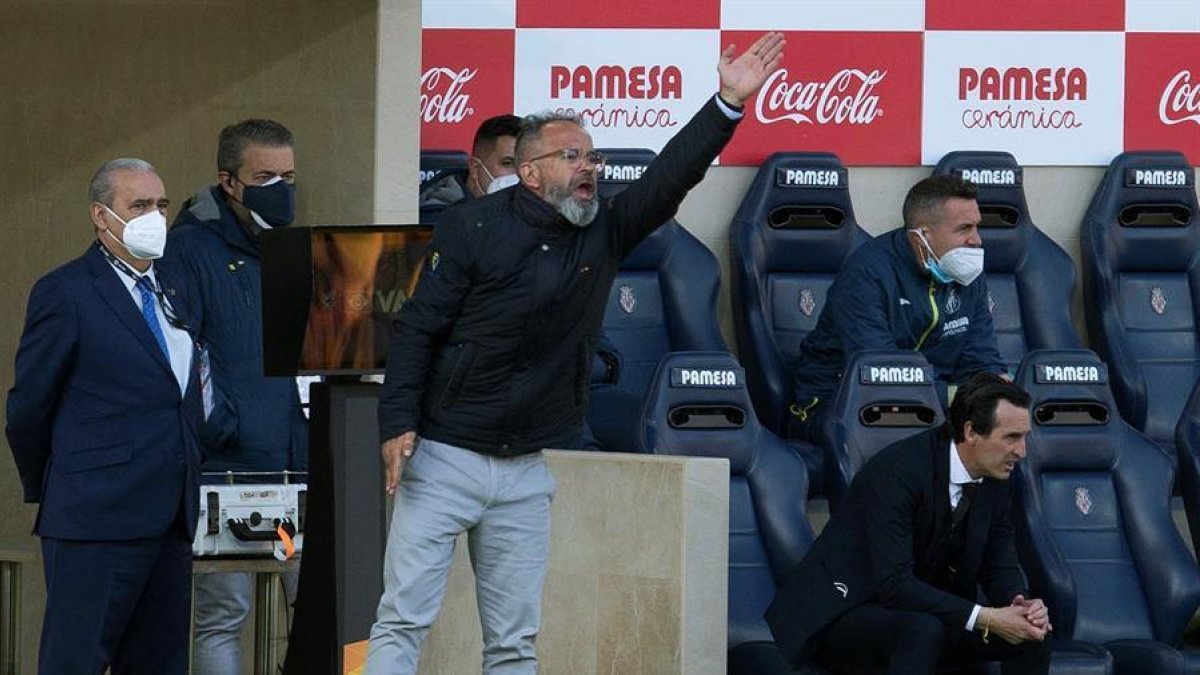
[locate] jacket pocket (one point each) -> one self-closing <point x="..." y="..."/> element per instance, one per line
<point x="583" y="369"/>
<point x="97" y="457"/>
<point x="458" y="373"/>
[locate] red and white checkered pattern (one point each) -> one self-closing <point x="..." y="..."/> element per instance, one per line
<point x="879" y="82"/>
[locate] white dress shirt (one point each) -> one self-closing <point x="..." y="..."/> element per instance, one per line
<point x="179" y="343"/>
<point x="959" y="476"/>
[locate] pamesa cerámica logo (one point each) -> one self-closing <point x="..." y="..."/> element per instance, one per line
<point x="1021" y="97"/>
<point x="614" y="96"/>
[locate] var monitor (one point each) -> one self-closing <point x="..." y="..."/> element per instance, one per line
<point x="330" y="293"/>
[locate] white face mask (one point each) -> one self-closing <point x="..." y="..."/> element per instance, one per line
<point x="503" y="182"/>
<point x="961" y="265"/>
<point x="145" y="237"/>
<point x="497" y="183"/>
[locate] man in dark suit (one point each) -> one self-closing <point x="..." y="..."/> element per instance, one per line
<point x="892" y="583"/>
<point x="103" y="423"/>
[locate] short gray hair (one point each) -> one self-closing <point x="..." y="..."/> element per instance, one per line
<point x="101" y="188"/>
<point x="532" y="125"/>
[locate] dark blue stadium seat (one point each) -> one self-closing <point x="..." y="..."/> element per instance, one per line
<point x="698" y="405"/>
<point x="1140" y="250"/>
<point x="885" y="396"/>
<point x="663" y="299"/>
<point x="443" y="174"/>
<point x="787" y="241"/>
<point x="1031" y="279"/>
<point x="1187" y="453"/>
<point x="1093" y="522"/>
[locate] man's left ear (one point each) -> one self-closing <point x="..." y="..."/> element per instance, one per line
<point x="530" y="176"/>
<point x="969" y="432"/>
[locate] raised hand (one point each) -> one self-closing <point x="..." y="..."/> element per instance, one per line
<point x="741" y="77"/>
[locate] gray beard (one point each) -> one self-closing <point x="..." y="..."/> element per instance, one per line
<point x="577" y="212"/>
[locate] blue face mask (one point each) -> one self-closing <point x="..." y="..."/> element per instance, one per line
<point x="936" y="270"/>
<point x="273" y="202"/>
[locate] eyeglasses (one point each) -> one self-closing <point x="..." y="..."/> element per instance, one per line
<point x="574" y="156"/>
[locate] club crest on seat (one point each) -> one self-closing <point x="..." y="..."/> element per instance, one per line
<point x="626" y="299"/>
<point x="808" y="302"/>
<point x="1083" y="500"/>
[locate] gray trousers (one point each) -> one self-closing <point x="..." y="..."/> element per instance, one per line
<point x="503" y="504"/>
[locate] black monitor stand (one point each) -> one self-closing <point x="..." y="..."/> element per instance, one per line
<point x="341" y="575"/>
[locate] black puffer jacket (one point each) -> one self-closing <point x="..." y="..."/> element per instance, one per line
<point x="493" y="351"/>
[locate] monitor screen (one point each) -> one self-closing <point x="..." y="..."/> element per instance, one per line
<point x="355" y="278"/>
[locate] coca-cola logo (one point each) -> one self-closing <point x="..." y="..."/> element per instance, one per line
<point x="442" y="96"/>
<point x="1022" y="84"/>
<point x="1180" y="100"/>
<point x="845" y="98"/>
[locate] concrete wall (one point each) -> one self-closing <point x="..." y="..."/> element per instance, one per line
<point x="636" y="582"/>
<point x="85" y="82"/>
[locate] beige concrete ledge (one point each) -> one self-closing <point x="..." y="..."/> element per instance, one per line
<point x="637" y="580"/>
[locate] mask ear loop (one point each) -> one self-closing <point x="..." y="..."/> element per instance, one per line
<point x="483" y="166"/>
<point x="928" y="248"/>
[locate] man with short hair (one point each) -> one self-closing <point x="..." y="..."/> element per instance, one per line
<point x="103" y="421"/>
<point x="493" y="155"/>
<point x="920" y="287"/>
<point x="891" y="584"/>
<point x="491" y="167"/>
<point x="257" y="424"/>
<point x="490" y="361"/>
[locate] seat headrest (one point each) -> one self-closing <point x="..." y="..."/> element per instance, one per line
<point x="698" y="405"/>
<point x="1146" y="203"/>
<point x="886" y="375"/>
<point x="998" y="177"/>
<point x="434" y="162"/>
<point x="1071" y="400"/>
<point x="1145" y="177"/>
<point x="1006" y="224"/>
<point x="623" y="166"/>
<point x="800" y="204"/>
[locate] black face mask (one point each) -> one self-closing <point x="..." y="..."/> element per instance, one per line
<point x="274" y="202"/>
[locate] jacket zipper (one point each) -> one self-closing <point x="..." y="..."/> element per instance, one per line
<point x="934" y="320"/>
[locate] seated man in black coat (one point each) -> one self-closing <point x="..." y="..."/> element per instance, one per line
<point x="891" y="584"/>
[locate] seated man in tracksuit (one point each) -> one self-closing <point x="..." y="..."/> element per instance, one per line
<point x="919" y="287"/>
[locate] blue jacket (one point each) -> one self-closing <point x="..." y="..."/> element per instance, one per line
<point x="101" y="435"/>
<point x="883" y="299"/>
<point x="257" y="423"/>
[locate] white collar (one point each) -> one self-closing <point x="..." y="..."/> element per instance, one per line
<point x="129" y="281"/>
<point x="958" y="472"/>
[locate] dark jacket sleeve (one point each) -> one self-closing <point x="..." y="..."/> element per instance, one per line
<point x="655" y="197"/>
<point x="422" y="323"/>
<point x="181" y="264"/>
<point x="858" y="307"/>
<point x="889" y="531"/>
<point x="1000" y="575"/>
<point x="980" y="354"/>
<point x="42" y="365"/>
<point x="855" y="314"/>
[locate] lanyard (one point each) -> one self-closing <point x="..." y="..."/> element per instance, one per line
<point x="167" y="309"/>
